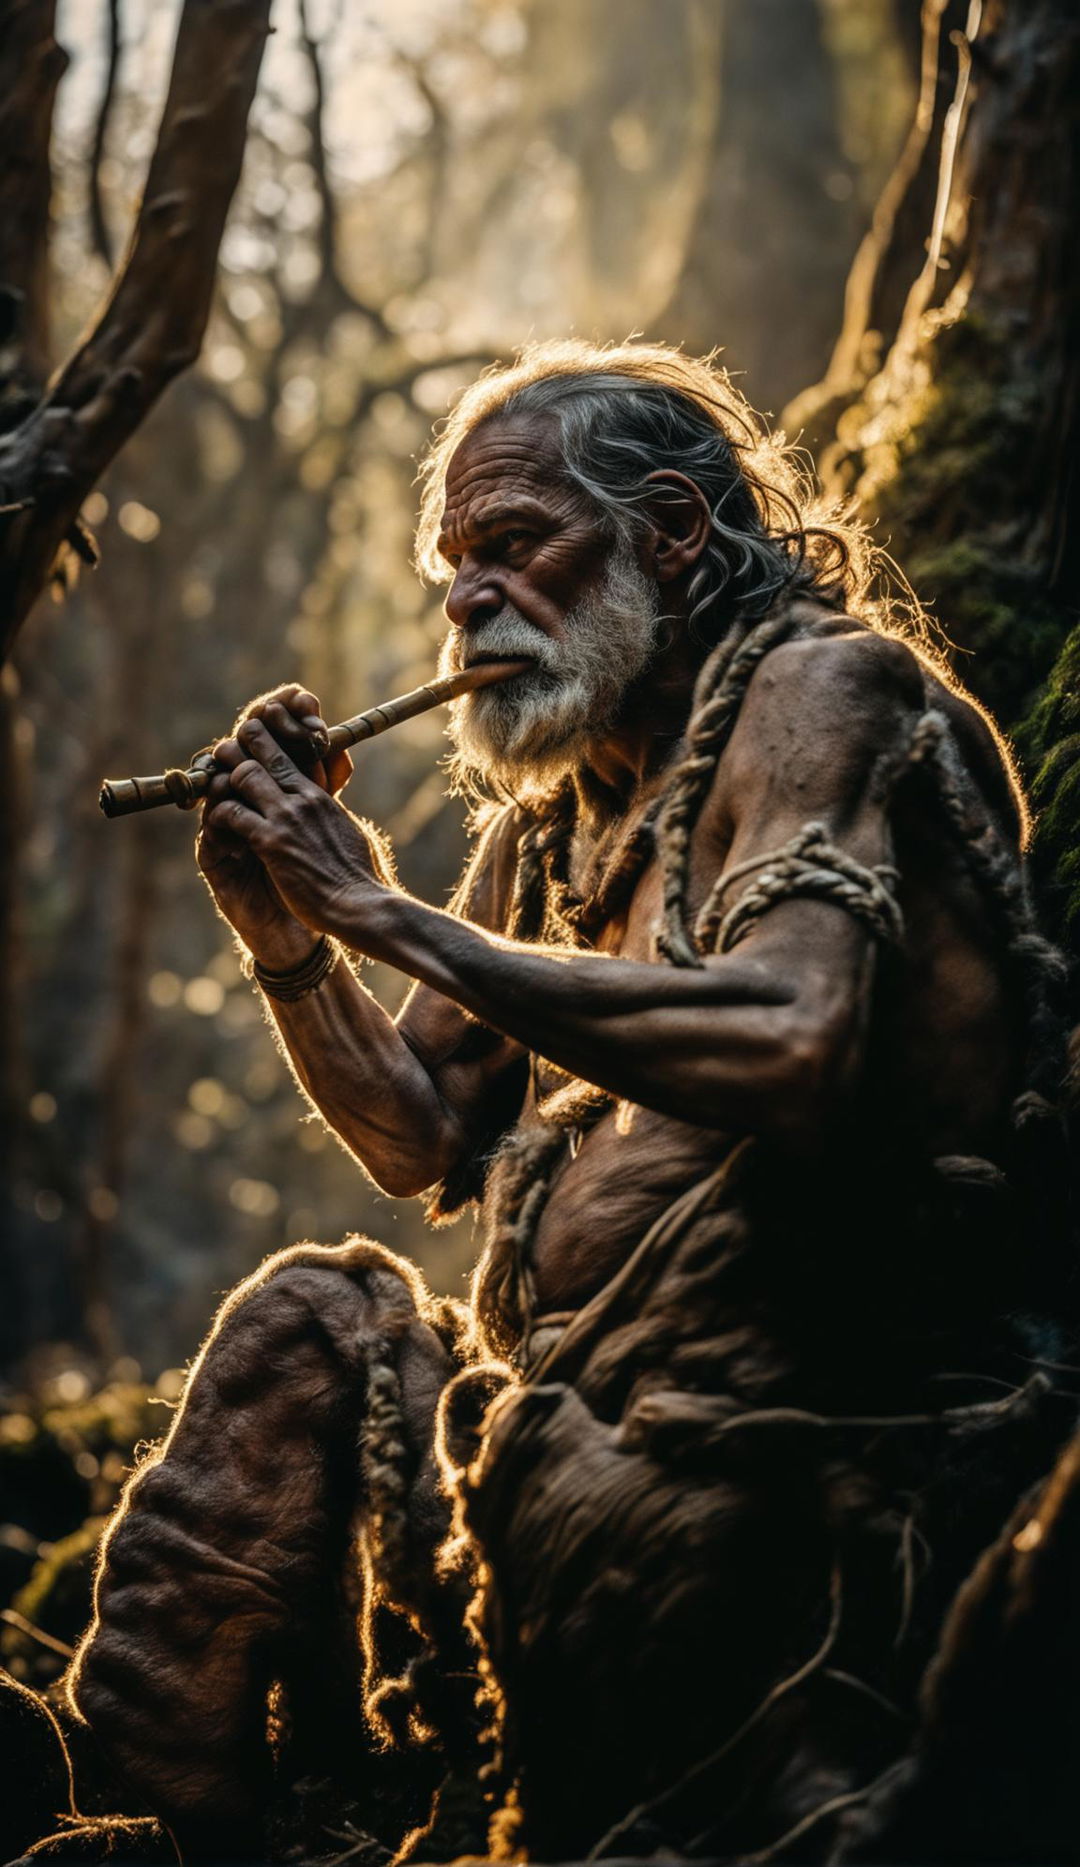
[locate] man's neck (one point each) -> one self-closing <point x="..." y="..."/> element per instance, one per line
<point x="652" y="719"/>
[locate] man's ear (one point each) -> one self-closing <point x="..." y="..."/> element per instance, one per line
<point x="681" y="521"/>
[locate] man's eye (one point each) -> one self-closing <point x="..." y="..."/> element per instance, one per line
<point x="514" y="538"/>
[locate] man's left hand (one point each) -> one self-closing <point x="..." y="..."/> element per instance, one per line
<point x="321" y="859"/>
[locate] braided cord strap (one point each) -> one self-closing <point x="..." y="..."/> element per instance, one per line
<point x="809" y="866"/>
<point x="718" y="697"/>
<point x="302" y="979"/>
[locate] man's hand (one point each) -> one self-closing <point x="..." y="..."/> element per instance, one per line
<point x="317" y="861"/>
<point x="293" y="717"/>
<point x="236" y="877"/>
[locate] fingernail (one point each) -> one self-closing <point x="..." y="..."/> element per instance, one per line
<point x="317" y="728"/>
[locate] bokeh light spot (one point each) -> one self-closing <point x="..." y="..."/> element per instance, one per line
<point x="193" y="1131"/>
<point x="138" y="521"/>
<point x="204" y="996"/>
<point x="207" y="1096"/>
<point x="165" y="988"/>
<point x="103" y="1203"/>
<point x="257" y="1198"/>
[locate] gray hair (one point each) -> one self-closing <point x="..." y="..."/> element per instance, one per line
<point x="626" y="412"/>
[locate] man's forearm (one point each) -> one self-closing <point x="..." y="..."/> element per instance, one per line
<point x="698" y="1044"/>
<point x="374" y="1092"/>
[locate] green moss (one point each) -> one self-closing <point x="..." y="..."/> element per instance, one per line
<point x="1049" y="741"/>
<point x="940" y="478"/>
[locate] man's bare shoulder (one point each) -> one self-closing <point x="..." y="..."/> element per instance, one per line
<point x="820" y="713"/>
<point x="824" y="711"/>
<point x="850" y="678"/>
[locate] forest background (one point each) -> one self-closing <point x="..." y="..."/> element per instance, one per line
<point x="866" y="203"/>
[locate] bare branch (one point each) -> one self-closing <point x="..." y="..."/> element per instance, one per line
<point x="31" y="66"/>
<point x="435" y="150"/>
<point x="331" y="283"/>
<point x="153" y="324"/>
<point x="99" y="230"/>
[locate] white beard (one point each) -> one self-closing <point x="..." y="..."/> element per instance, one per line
<point x="529" y="732"/>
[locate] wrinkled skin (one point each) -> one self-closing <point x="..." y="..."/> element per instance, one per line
<point x="217" y="1570"/>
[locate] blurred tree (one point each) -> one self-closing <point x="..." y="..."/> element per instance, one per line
<point x="56" y="438"/>
<point x="305" y="383"/>
<point x="813" y="98"/>
<point x="893" y="249"/>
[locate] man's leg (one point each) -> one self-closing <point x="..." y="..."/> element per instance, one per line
<point x="231" y="1539"/>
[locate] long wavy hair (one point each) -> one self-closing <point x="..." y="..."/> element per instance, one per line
<point x="625" y="411"/>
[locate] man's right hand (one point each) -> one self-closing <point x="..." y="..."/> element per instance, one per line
<point x="236" y="878"/>
<point x="293" y="717"/>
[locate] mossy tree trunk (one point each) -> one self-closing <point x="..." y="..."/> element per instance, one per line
<point x="961" y="447"/>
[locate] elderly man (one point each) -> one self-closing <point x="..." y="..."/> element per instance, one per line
<point x="726" y="1025"/>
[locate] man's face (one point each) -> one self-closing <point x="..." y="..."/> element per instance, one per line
<point x="536" y="575"/>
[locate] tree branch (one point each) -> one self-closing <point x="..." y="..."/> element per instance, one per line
<point x="331" y="282"/>
<point x="99" y="230"/>
<point x="31" y="66"/>
<point x="153" y="323"/>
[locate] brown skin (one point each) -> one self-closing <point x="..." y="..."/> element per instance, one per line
<point x="768" y="1039"/>
<point x="216" y="1572"/>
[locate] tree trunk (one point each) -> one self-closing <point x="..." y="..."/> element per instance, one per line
<point x="153" y="323"/>
<point x="961" y="447"/>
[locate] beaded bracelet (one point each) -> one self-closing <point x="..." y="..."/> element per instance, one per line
<point x="300" y="980"/>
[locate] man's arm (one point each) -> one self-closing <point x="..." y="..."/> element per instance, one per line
<point x="410" y="1096"/>
<point x="764" y="1039"/>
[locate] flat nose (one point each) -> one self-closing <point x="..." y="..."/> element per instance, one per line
<point x="473" y="598"/>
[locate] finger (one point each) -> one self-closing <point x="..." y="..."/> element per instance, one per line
<point x="255" y="786"/>
<point x="221" y="855"/>
<point x="227" y="753"/>
<point x="318" y="732"/>
<point x="235" y="819"/>
<point x="218" y="850"/>
<point x="289" y="694"/>
<point x="218" y="788"/>
<point x="303" y="704"/>
<point x="258" y="744"/>
<point x="296" y="737"/>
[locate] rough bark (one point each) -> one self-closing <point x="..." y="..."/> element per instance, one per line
<point x="31" y="66"/>
<point x="99" y="229"/>
<point x="961" y="447"/>
<point x="152" y="325"/>
<point x="893" y="248"/>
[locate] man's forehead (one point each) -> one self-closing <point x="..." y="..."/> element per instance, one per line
<point x="499" y="463"/>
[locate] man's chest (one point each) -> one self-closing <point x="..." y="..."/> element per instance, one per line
<point x="620" y="880"/>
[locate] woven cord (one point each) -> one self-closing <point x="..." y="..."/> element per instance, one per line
<point x="808" y="865"/>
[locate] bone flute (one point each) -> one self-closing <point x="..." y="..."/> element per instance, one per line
<point x="121" y="796"/>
